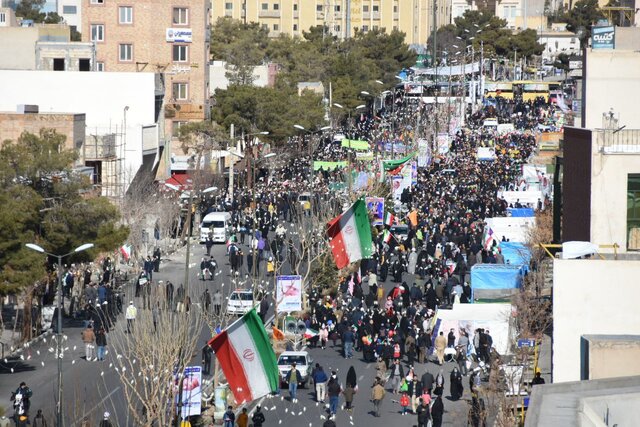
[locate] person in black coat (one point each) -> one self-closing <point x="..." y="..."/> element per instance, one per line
<point x="437" y="411"/>
<point x="455" y="386"/>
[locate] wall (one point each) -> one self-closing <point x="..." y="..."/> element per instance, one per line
<point x="92" y="94"/>
<point x="17" y="48"/>
<point x="576" y="187"/>
<point x="613" y="81"/>
<point x="609" y="173"/>
<point x="71" y="19"/>
<point x="615" y="357"/>
<point x="72" y="126"/>
<point x="556" y="42"/>
<point x="218" y="79"/>
<point x="591" y="297"/>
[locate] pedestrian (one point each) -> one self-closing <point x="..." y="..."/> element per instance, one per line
<point x="229" y="418"/>
<point x="348" y="339"/>
<point x="423" y="412"/>
<point x="101" y="343"/>
<point x="21" y="399"/>
<point x="381" y="370"/>
<point x="293" y="376"/>
<point x="105" y="420"/>
<point x="348" y="393"/>
<point x="440" y="344"/>
<point x="217" y="302"/>
<point x="323" y="336"/>
<point x="130" y="315"/>
<point x="320" y="380"/>
<point x="396" y="376"/>
<point x="437" y="412"/>
<point x="439" y="384"/>
<point x="377" y="394"/>
<point x="455" y="387"/>
<point x="39" y="420"/>
<point x="258" y="417"/>
<point x="333" y="390"/>
<point x="404" y="402"/>
<point x="243" y="419"/>
<point x="89" y="340"/>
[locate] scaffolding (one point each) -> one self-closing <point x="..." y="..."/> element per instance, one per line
<point x="104" y="150"/>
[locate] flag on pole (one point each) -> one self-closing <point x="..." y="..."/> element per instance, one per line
<point x="387" y="236"/>
<point x="125" y="251"/>
<point x="488" y="241"/>
<point x="390" y="165"/>
<point x="389" y="218"/>
<point x="350" y="235"/>
<point x="278" y="335"/>
<point x="310" y="333"/>
<point x="247" y="358"/>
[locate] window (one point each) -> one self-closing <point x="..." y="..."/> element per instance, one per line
<point x="295" y="27"/>
<point x="180" y="91"/>
<point x="336" y="8"/>
<point x="180" y="53"/>
<point x="175" y="128"/>
<point x="125" y="52"/>
<point x="276" y="6"/>
<point x="97" y="32"/>
<point x="395" y="8"/>
<point x="265" y="27"/>
<point x="365" y="28"/>
<point x="3" y="17"/>
<point x="58" y="64"/>
<point x="265" y="6"/>
<point x="573" y="40"/>
<point x="375" y="28"/>
<point x="376" y="8"/>
<point x="365" y="8"/>
<point x="276" y="27"/>
<point x="125" y="15"/>
<point x="337" y="28"/>
<point x="97" y="1"/>
<point x="69" y="10"/>
<point x="295" y="7"/>
<point x="318" y="8"/>
<point x="513" y="12"/>
<point x="180" y="16"/>
<point x="228" y="6"/>
<point x="99" y="66"/>
<point x="633" y="211"/>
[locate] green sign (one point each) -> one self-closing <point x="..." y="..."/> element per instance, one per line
<point x="328" y="166"/>
<point x="356" y="144"/>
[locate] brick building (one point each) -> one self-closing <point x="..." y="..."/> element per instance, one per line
<point x="71" y="125"/>
<point x="170" y="37"/>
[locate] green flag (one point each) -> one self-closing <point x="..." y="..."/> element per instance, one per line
<point x="390" y="165"/>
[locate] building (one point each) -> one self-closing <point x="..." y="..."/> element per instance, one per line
<point x="606" y="402"/>
<point x="558" y="40"/>
<point x="169" y="37"/>
<point x="122" y="132"/>
<point x="42" y="47"/>
<point x="71" y="13"/>
<point x="7" y="17"/>
<point x="263" y="76"/>
<point x="342" y="17"/>
<point x="71" y="125"/>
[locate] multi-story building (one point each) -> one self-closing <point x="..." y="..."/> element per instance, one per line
<point x="71" y="13"/>
<point x="342" y="17"/>
<point x="170" y="37"/>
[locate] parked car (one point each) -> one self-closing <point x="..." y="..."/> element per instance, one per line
<point x="303" y="362"/>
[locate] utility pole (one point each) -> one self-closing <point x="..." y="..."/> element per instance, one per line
<point x="434" y="61"/>
<point x="347" y="27"/>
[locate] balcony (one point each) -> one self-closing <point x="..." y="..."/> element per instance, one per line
<point x="622" y="141"/>
<point x="269" y="14"/>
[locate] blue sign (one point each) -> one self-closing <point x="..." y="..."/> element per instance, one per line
<point x="603" y="37"/>
<point x="526" y="342"/>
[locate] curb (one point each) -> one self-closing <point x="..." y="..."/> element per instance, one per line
<point x="17" y="350"/>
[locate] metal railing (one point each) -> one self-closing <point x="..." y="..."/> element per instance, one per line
<point x="618" y="141"/>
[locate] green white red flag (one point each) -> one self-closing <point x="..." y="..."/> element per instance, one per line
<point x="247" y="358"/>
<point x="350" y="235"/>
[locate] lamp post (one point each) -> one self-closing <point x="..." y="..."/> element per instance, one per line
<point x="33" y="246"/>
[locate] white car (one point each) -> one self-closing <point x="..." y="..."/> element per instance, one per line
<point x="240" y="302"/>
<point x="303" y="365"/>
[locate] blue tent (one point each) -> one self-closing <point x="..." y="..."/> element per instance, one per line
<point x="521" y="212"/>
<point x="495" y="281"/>
<point x="516" y="254"/>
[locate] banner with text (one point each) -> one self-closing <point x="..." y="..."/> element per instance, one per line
<point x="289" y="293"/>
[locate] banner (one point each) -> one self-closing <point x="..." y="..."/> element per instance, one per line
<point x="356" y="144"/>
<point x="423" y="153"/>
<point x="376" y="205"/>
<point x="603" y="37"/>
<point x="328" y="165"/>
<point x="407" y="175"/>
<point x="289" y="293"/>
<point x="442" y="142"/>
<point x="367" y="155"/>
<point x="191" y="391"/>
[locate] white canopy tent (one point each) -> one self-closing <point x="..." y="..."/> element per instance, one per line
<point x="514" y="229"/>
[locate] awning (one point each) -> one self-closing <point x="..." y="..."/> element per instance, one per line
<point x="453" y="70"/>
<point x="182" y="181"/>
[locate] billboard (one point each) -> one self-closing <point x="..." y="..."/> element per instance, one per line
<point x="191" y="391"/>
<point x="289" y="293"/>
<point x="179" y="35"/>
<point x="603" y="37"/>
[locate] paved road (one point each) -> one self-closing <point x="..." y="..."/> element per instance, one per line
<point x="90" y="388"/>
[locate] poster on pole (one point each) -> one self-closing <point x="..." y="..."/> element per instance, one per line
<point x="423" y="153"/>
<point x="376" y="206"/>
<point x="442" y="143"/>
<point x="407" y="175"/>
<point x="191" y="391"/>
<point x="398" y="184"/>
<point x="289" y="293"/>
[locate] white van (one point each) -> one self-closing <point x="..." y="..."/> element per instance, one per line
<point x="218" y="224"/>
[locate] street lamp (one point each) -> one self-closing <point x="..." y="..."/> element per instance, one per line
<point x="80" y="248"/>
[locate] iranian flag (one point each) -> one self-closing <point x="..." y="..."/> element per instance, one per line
<point x="247" y="358"/>
<point x="350" y="235"/>
<point x="389" y="219"/>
